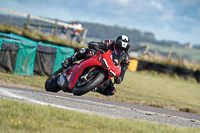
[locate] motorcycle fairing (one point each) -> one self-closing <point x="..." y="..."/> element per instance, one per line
<point x="105" y="61"/>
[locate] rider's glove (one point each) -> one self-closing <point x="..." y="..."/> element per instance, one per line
<point x="64" y="64"/>
<point x="93" y="45"/>
<point x="118" y="80"/>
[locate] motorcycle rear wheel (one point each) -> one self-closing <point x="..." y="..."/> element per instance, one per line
<point x="51" y="82"/>
<point x="96" y="81"/>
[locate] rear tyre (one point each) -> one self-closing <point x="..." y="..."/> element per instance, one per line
<point x="94" y="82"/>
<point x="51" y="82"/>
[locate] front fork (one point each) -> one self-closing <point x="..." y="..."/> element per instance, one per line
<point x="89" y="75"/>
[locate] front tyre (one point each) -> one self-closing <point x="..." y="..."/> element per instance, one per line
<point x="51" y="82"/>
<point x="94" y="82"/>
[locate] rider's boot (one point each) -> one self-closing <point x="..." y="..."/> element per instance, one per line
<point x="108" y="89"/>
<point x="81" y="54"/>
<point x="67" y="62"/>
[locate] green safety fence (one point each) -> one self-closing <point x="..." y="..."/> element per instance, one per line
<point x="8" y="55"/>
<point x="61" y="54"/>
<point x="23" y="56"/>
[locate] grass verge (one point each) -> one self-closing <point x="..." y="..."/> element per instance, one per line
<point x="39" y="36"/>
<point x="20" y="117"/>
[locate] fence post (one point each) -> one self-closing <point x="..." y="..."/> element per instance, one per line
<point x="83" y="36"/>
<point x="68" y="34"/>
<point x="52" y="31"/>
<point x="27" y="23"/>
<point x="39" y="28"/>
<point x="155" y="54"/>
<point x="56" y="27"/>
<point x="146" y="49"/>
<point x="180" y="63"/>
<point x="169" y="54"/>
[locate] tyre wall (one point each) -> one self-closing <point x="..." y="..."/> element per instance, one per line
<point x="160" y="68"/>
<point x="8" y="56"/>
<point x="23" y="56"/>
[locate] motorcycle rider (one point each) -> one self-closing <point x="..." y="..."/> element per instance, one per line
<point x="121" y="43"/>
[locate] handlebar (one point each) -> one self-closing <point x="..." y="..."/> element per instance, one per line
<point x="100" y="50"/>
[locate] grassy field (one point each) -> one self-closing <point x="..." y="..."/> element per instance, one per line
<point x="161" y="91"/>
<point x="193" y="53"/>
<point x="20" y="117"/>
<point x="144" y="88"/>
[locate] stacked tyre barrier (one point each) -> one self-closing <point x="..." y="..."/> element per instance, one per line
<point x="24" y="56"/>
<point x="140" y="65"/>
<point x="197" y="75"/>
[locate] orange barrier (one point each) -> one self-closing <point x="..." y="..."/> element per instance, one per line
<point x="133" y="65"/>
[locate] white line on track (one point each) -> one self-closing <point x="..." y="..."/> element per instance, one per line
<point x="5" y="92"/>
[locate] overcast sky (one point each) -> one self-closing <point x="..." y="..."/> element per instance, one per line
<point x="177" y="20"/>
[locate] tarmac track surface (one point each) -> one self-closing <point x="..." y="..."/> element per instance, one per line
<point x="101" y="107"/>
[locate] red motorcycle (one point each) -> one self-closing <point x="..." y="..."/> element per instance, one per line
<point x="80" y="78"/>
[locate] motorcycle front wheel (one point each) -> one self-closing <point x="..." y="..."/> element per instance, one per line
<point x="51" y="82"/>
<point x="91" y="84"/>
